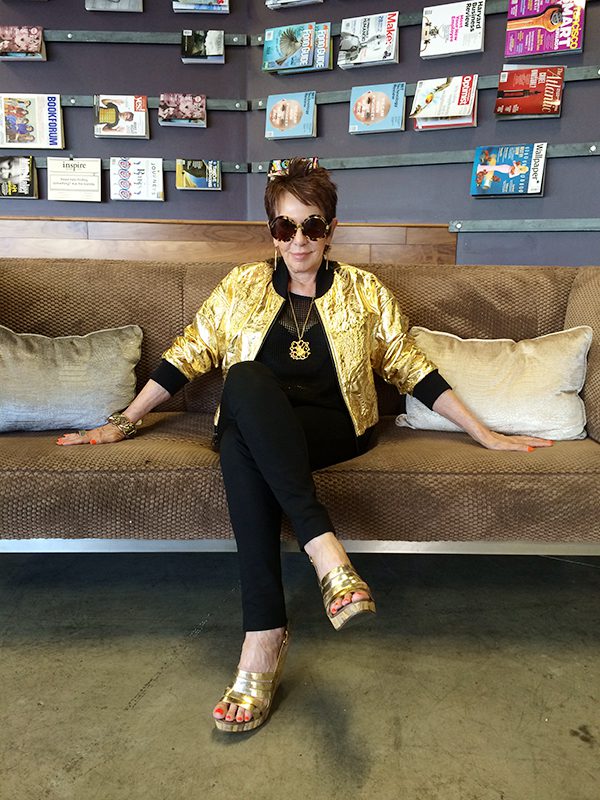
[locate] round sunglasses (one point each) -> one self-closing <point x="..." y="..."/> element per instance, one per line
<point x="314" y="227"/>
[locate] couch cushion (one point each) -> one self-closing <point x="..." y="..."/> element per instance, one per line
<point x="413" y="486"/>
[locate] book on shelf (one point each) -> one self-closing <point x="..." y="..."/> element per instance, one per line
<point x="530" y="91"/>
<point x="275" y="4"/>
<point x="291" y="116"/>
<point x="280" y="166"/>
<point x="77" y="179"/>
<point x="197" y="174"/>
<point x="22" y="43"/>
<point x="541" y="27"/>
<point x="217" y="7"/>
<point x="202" y="47"/>
<point x="114" y="5"/>
<point x="508" y="170"/>
<point x="18" y="178"/>
<point x="453" y="29"/>
<point x="323" y="54"/>
<point x="369" y="41"/>
<point x="136" y="178"/>
<point x="289" y="47"/>
<point x="121" y="116"/>
<point x="377" y="108"/>
<point x="183" y="110"/>
<point x="31" y="121"/>
<point x="449" y="102"/>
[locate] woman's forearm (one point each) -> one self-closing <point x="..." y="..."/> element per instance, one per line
<point x="451" y="407"/>
<point x="150" y="396"/>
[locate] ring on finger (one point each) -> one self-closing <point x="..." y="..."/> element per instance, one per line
<point x="82" y="433"/>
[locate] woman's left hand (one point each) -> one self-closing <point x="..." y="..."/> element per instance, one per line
<point x="499" y="441"/>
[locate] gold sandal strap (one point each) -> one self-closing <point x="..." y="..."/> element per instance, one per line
<point x="253" y="704"/>
<point x="340" y="581"/>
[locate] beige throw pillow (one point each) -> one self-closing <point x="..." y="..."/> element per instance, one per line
<point x="67" y="382"/>
<point x="528" y="387"/>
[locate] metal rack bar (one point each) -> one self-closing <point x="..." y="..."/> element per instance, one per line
<point x="212" y="103"/>
<point x="523" y="225"/>
<point x="133" y="37"/>
<point x="168" y="165"/>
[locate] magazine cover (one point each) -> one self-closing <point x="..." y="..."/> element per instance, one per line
<point x="377" y="108"/>
<point x="368" y="41"/>
<point x="114" y="5"/>
<point x="539" y="27"/>
<point x="22" y="43"/>
<point x="74" y="179"/>
<point x="136" y="178"/>
<point x="509" y="169"/>
<point x="449" y="102"/>
<point x="323" y="55"/>
<point x="203" y="175"/>
<point x="184" y="110"/>
<point x="215" y="7"/>
<point x="530" y="91"/>
<point x="18" y="178"/>
<point x="291" y="116"/>
<point x="202" y="47"/>
<point x="452" y="29"/>
<point x="280" y="166"/>
<point x="291" y="47"/>
<point x="121" y="116"/>
<point x="31" y="121"/>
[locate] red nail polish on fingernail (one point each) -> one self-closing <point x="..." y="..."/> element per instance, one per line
<point x="93" y="441"/>
<point x="530" y="449"/>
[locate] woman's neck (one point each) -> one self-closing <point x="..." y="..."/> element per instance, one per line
<point x="305" y="285"/>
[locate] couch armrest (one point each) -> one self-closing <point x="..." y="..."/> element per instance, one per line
<point x="583" y="308"/>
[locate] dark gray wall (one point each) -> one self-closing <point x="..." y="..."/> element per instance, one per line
<point x="403" y="194"/>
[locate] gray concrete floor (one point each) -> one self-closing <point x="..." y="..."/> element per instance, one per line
<point x="478" y="680"/>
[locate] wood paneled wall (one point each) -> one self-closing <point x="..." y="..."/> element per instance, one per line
<point x="137" y="240"/>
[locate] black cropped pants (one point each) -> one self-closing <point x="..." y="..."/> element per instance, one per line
<point x="268" y="449"/>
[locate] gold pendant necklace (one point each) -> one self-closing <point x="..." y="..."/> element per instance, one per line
<point x="299" y="349"/>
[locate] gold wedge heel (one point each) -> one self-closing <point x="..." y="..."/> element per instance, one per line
<point x="253" y="691"/>
<point x="338" y="582"/>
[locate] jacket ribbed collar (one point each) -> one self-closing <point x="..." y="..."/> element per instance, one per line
<point x="281" y="278"/>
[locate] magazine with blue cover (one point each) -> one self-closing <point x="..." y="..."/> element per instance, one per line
<point x="289" y="47"/>
<point x="323" y="55"/>
<point x="509" y="170"/>
<point x="291" y="116"/>
<point x="377" y="108"/>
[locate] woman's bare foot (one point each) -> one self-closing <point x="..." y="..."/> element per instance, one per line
<point x="327" y="552"/>
<point x="259" y="654"/>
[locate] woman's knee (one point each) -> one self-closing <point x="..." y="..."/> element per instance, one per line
<point x="247" y="376"/>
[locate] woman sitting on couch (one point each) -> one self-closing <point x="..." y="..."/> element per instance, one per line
<point x="298" y="340"/>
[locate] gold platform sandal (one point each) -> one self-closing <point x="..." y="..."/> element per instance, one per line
<point x="338" y="582"/>
<point x="253" y="691"/>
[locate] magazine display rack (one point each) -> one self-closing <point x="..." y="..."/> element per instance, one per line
<point x="212" y="103"/>
<point x="133" y="37"/>
<point x="168" y="165"/>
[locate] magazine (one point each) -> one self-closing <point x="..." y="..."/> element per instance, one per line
<point x="31" y="121"/>
<point x="275" y="4"/>
<point x="183" y="110"/>
<point x="114" y="5"/>
<point x="22" y="43"/>
<point x="219" y="7"/>
<point x="377" y="108"/>
<point x="202" y="47"/>
<point x="530" y="92"/>
<point x="323" y="55"/>
<point x="449" y="102"/>
<point x="369" y="41"/>
<point x="539" y="27"/>
<point x="74" y="179"/>
<point x="136" y="178"/>
<point x="509" y="170"/>
<point x="453" y="29"/>
<point x="290" y="47"/>
<point x="18" y="178"/>
<point x="291" y="116"/>
<point x="192" y="174"/>
<point x="121" y="116"/>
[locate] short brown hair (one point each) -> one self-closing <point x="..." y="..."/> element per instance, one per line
<point x="311" y="185"/>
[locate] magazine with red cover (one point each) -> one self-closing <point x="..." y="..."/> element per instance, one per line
<point x="530" y="91"/>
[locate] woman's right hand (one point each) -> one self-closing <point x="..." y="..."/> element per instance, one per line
<point x="105" y="434"/>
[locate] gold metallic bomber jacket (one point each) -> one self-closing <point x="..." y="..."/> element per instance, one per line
<point x="363" y="323"/>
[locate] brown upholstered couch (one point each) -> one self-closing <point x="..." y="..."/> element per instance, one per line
<point x="414" y="487"/>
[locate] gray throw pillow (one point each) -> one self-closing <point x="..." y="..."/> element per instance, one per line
<point x="67" y="382"/>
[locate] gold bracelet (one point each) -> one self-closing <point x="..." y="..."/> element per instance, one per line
<point x="124" y="424"/>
